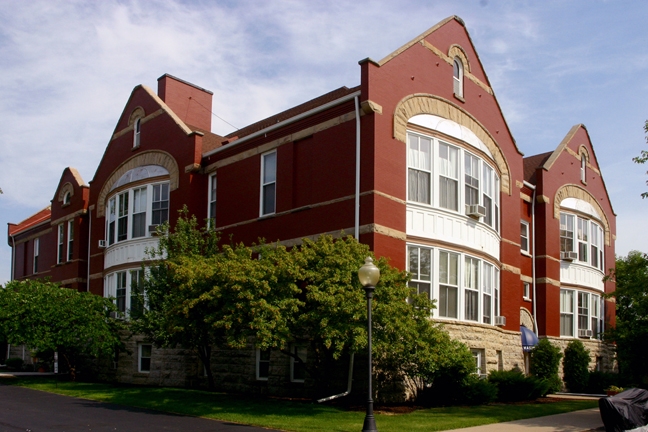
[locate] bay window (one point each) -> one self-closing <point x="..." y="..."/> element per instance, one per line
<point x="139" y="208"/>
<point x="581" y="239"/>
<point x="437" y="177"/>
<point x="586" y="307"/>
<point x="471" y="289"/>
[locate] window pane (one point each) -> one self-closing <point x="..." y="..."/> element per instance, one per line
<point x="447" y="301"/>
<point x="269" y="198"/>
<point x="269" y="167"/>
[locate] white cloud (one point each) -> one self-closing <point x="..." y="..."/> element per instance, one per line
<point x="68" y="68"/>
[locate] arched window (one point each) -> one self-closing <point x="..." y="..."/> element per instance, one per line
<point x="136" y="133"/>
<point x="583" y="168"/>
<point x="458" y="72"/>
<point x="66" y="198"/>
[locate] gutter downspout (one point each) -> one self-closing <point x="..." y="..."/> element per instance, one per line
<point x="13" y="257"/>
<point x="357" y="188"/>
<point x="533" y="253"/>
<point x="326" y="399"/>
<point x="89" y="243"/>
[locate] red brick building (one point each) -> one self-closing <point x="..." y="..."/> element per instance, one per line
<point x="417" y="162"/>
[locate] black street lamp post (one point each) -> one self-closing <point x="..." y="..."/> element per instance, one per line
<point x="369" y="275"/>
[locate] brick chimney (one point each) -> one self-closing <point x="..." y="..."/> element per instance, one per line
<point x="191" y="103"/>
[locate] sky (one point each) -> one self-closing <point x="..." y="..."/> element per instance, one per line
<point x="67" y="69"/>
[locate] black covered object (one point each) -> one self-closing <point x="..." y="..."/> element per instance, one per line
<point x="626" y="410"/>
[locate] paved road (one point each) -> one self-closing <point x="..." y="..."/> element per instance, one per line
<point x="27" y="410"/>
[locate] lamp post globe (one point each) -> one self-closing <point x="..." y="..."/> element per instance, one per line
<point x="369" y="275"/>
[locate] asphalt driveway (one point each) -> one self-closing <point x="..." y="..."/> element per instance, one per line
<point x="27" y="410"/>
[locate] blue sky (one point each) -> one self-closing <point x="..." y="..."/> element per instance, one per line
<point x="67" y="68"/>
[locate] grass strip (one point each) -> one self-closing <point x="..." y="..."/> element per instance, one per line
<point x="294" y="416"/>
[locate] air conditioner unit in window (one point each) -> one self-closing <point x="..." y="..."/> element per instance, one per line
<point x="475" y="210"/>
<point x="584" y="333"/>
<point x="152" y="228"/>
<point x="102" y="244"/>
<point x="500" y="320"/>
<point x="568" y="256"/>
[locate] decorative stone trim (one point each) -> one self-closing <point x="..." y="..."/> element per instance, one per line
<point x="68" y="217"/>
<point x="66" y="188"/>
<point x="138" y="112"/>
<point x="575" y="191"/>
<point x="156" y="157"/>
<point x="525" y="278"/>
<point x="505" y="240"/>
<point x="548" y="281"/>
<point x="421" y="103"/>
<point x="280" y="141"/>
<point x="525" y="197"/>
<point x="526" y="319"/>
<point x="543" y="199"/>
<point x="510" y="268"/>
<point x="369" y="107"/>
<point x="549" y="257"/>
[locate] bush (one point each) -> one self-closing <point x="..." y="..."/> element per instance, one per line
<point x="599" y="382"/>
<point x="471" y="391"/>
<point x="545" y="359"/>
<point x="576" y="366"/>
<point x="14" y="363"/>
<point x="513" y="386"/>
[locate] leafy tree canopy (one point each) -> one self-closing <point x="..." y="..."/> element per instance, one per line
<point x="643" y="158"/>
<point x="203" y="296"/>
<point x="631" y="332"/>
<point x="45" y="316"/>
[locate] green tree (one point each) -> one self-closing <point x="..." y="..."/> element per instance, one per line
<point x="576" y="366"/>
<point x="545" y="360"/>
<point x="643" y="157"/>
<point x="45" y="316"/>
<point x="203" y="296"/>
<point x="631" y="331"/>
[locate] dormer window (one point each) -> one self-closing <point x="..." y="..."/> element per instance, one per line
<point x="136" y="132"/>
<point x="66" y="198"/>
<point x="583" y="168"/>
<point x="458" y="72"/>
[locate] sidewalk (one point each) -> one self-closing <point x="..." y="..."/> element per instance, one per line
<point x="576" y="421"/>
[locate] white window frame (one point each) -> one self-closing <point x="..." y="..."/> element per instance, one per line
<point x="526" y="290"/>
<point x="419" y="168"/>
<point x="137" y="130"/>
<point x="141" y="356"/>
<point x="583" y="168"/>
<point x="525" y="238"/>
<point x="472" y="271"/>
<point x="298" y="350"/>
<point x="416" y="265"/>
<point x="36" y="254"/>
<point x="449" y="282"/>
<point x="119" y="285"/>
<point x="479" y="355"/>
<point x="61" y="244"/>
<point x="153" y="199"/>
<point x="567" y="310"/>
<point x="587" y="316"/>
<point x="449" y="178"/>
<point x="261" y="359"/>
<point x="211" y="200"/>
<point x="458" y="77"/>
<point x="268" y="185"/>
<point x="582" y="237"/>
<point x="487" y="280"/>
<point x="70" y="240"/>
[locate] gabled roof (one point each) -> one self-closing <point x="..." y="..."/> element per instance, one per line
<point x="292" y="112"/>
<point x="33" y="220"/>
<point x="531" y="165"/>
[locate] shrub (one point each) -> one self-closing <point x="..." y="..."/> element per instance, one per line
<point x="14" y="363"/>
<point x="471" y="391"/>
<point x="599" y="382"/>
<point x="545" y="359"/>
<point x="576" y="366"/>
<point x="513" y="386"/>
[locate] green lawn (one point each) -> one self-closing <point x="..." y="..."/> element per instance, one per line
<point x="294" y="416"/>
